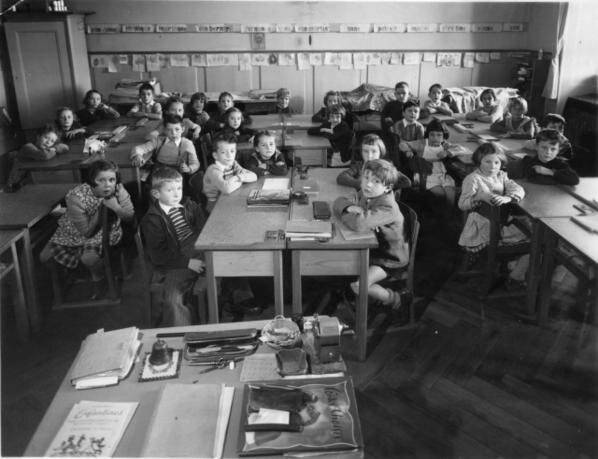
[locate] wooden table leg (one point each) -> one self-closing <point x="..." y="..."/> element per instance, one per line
<point x="213" y="316"/>
<point x="296" y="280"/>
<point x="535" y="257"/>
<point x="30" y="284"/>
<point x="547" y="268"/>
<point x="278" y="279"/>
<point x="361" y="319"/>
<point x="21" y="318"/>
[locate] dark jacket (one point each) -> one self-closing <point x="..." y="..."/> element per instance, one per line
<point x="276" y="165"/>
<point x="161" y="243"/>
<point x="352" y="177"/>
<point x="341" y="138"/>
<point x="394" y="110"/>
<point x="243" y="134"/>
<point x="563" y="173"/>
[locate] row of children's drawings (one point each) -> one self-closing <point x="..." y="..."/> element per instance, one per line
<point x="157" y="61"/>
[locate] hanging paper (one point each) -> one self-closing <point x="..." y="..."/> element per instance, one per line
<point x="373" y="59"/>
<point x="346" y="61"/>
<point x="303" y="61"/>
<point x="111" y="65"/>
<point x="138" y="63"/>
<point x="286" y="59"/>
<point x="244" y="62"/>
<point x="512" y="27"/>
<point x="486" y="27"/>
<point x="99" y="61"/>
<point x="315" y="59"/>
<point x="448" y="60"/>
<point x="332" y="59"/>
<point x="137" y="28"/>
<point x="179" y="60"/>
<point x="171" y="28"/>
<point x="222" y="59"/>
<point x="354" y="28"/>
<point x="411" y="58"/>
<point x="482" y="57"/>
<point x="259" y="59"/>
<point x="396" y="58"/>
<point x="199" y="60"/>
<point x="422" y="28"/>
<point x="214" y="28"/>
<point x="429" y="57"/>
<point x="284" y="28"/>
<point x="103" y="28"/>
<point x="312" y="28"/>
<point x="385" y="58"/>
<point x="455" y="28"/>
<point x="152" y="62"/>
<point x="389" y="28"/>
<point x="123" y="59"/>
<point x="256" y="28"/>
<point x="164" y="60"/>
<point x="360" y="61"/>
<point x="494" y="56"/>
<point x="468" y="59"/>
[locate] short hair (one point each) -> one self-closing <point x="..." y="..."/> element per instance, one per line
<point x="435" y="86"/>
<point x="331" y="93"/>
<point x="172" y="100"/>
<point x="60" y="110"/>
<point x="488" y="148"/>
<point x="258" y="135"/>
<point x="167" y="118"/>
<point x="436" y="126"/>
<point x="374" y="140"/>
<point x="384" y="170"/>
<point x="283" y="92"/>
<point x="550" y="135"/>
<point x="223" y="137"/>
<point x="198" y="96"/>
<point x="47" y="129"/>
<point x="224" y="94"/>
<point x="100" y="165"/>
<point x="518" y="100"/>
<point x="401" y="84"/>
<point x="146" y="87"/>
<point x="337" y="109"/>
<point x="232" y="110"/>
<point x="488" y="91"/>
<point x="553" y="118"/>
<point x="89" y="93"/>
<point x="410" y="103"/>
<point x="164" y="174"/>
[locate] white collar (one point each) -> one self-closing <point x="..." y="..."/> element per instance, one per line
<point x="177" y="143"/>
<point x="167" y="209"/>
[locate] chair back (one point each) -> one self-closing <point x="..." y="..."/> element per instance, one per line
<point x="196" y="188"/>
<point x="205" y="148"/>
<point x="411" y="228"/>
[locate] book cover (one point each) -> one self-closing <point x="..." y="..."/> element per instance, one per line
<point x="269" y="197"/>
<point x="92" y="429"/>
<point x="322" y="413"/>
<point x="308" y="228"/>
<point x="351" y="235"/>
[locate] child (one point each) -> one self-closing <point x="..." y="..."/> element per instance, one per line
<point x="168" y="149"/>
<point x="489" y="112"/>
<point x="147" y="107"/>
<point x="331" y="98"/>
<point x="488" y="183"/>
<point x="435" y="104"/>
<point x="546" y="167"/>
<point x="393" y="110"/>
<point x="283" y="99"/>
<point x="266" y="159"/>
<point x="175" y="106"/>
<point x="372" y="147"/>
<point x="67" y="127"/>
<point x="515" y="123"/>
<point x="195" y="109"/>
<point x="79" y="234"/>
<point x="225" y="175"/>
<point x="406" y="130"/>
<point x="338" y="133"/>
<point x="94" y="109"/>
<point x="376" y="209"/>
<point x="427" y="154"/>
<point x="556" y="122"/>
<point x="225" y="102"/>
<point x="235" y="125"/>
<point x="46" y="146"/>
<point x="170" y="228"/>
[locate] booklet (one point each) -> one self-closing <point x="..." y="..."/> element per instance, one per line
<point x="92" y="429"/>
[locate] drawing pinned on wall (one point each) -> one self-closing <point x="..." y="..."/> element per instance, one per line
<point x="138" y="63"/>
<point x="179" y="60"/>
<point x="171" y="28"/>
<point x="123" y="59"/>
<point x="138" y="28"/>
<point x="448" y="59"/>
<point x="111" y="64"/>
<point x="312" y="28"/>
<point x="454" y="28"/>
<point x="284" y="28"/>
<point x="256" y="28"/>
<point x="373" y="59"/>
<point x="396" y="58"/>
<point x="422" y="28"/>
<point x="468" y="59"/>
<point x="513" y="27"/>
<point x="429" y="57"/>
<point x="103" y="28"/>
<point x="484" y="58"/>
<point x="286" y="59"/>
<point x="244" y="62"/>
<point x="199" y="60"/>
<point x="412" y="58"/>
<point x="273" y="59"/>
<point x="152" y="62"/>
<point x="316" y="59"/>
<point x="360" y="61"/>
<point x="494" y="56"/>
<point x="216" y="28"/>
<point x="346" y="62"/>
<point x="258" y="41"/>
<point x="389" y="28"/>
<point x="164" y="60"/>
<point x="221" y="60"/>
<point x="354" y="28"/>
<point x="332" y="59"/>
<point x="303" y="61"/>
<point x="385" y="58"/>
<point x="486" y="27"/>
<point x="260" y="59"/>
<point x="99" y="61"/>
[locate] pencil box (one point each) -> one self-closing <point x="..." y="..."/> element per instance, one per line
<point x="218" y="346"/>
<point x="321" y="210"/>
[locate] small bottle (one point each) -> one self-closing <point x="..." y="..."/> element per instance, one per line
<point x="308" y="338"/>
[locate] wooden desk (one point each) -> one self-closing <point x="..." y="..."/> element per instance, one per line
<point x="586" y="190"/>
<point x="234" y="246"/>
<point x="542" y="201"/>
<point x="22" y="210"/>
<point x="9" y="240"/>
<point x="298" y="121"/>
<point x="584" y="242"/>
<point x="266" y="122"/>
<point x="312" y="149"/>
<point x="336" y="257"/>
<point x="130" y="390"/>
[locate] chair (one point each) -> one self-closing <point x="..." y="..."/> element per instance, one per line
<point x="205" y="149"/>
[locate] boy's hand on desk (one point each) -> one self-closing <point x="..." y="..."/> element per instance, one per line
<point x="197" y="265"/>
<point x="326" y="130"/>
<point x="184" y="168"/>
<point x="354" y="210"/>
<point x="499" y="200"/>
<point x="542" y="170"/>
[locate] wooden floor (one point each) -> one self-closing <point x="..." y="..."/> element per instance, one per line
<point x="451" y="386"/>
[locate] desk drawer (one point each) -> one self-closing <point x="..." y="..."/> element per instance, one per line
<point x="329" y="262"/>
<point x="244" y="263"/>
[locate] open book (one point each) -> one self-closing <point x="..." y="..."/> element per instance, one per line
<point x="105" y="358"/>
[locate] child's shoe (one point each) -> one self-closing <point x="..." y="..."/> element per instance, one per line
<point x="400" y="302"/>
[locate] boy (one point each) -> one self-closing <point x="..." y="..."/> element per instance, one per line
<point x="170" y="227"/>
<point x="435" y="104"/>
<point x="393" y="110"/>
<point x="556" y="122"/>
<point x="266" y="159"/>
<point x="283" y="99"/>
<point x="376" y="209"/>
<point x="46" y="146"/>
<point x="338" y="133"/>
<point x="545" y="167"/>
<point x="174" y="106"/>
<point x="168" y="149"/>
<point x="147" y="107"/>
<point x="226" y="174"/>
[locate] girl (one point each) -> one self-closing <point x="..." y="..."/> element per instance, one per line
<point x="435" y="104"/>
<point x="174" y="107"/>
<point x="283" y="99"/>
<point x="79" y="234"/>
<point x="372" y="147"/>
<point x="331" y="98"/>
<point x="235" y="125"/>
<point x="94" y="109"/>
<point x="515" y="122"/>
<point x="266" y="159"/>
<point x="67" y="126"/>
<point x="196" y="109"/>
<point x="489" y="112"/>
<point x="488" y="183"/>
<point x="426" y="158"/>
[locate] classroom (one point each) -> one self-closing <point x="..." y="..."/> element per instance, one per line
<point x="361" y="229"/>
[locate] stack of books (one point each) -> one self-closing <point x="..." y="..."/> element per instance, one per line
<point x="310" y="230"/>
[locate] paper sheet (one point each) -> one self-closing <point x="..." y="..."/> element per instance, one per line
<point x="448" y="60"/>
<point x="360" y="61"/>
<point x="303" y="61"/>
<point x="276" y="184"/>
<point x="179" y="60"/>
<point x="244" y="62"/>
<point x="199" y="60"/>
<point x="346" y="62"/>
<point x="260" y="59"/>
<point x="411" y="58"/>
<point x="482" y="57"/>
<point x="286" y="59"/>
<point x="468" y="59"/>
<point x="315" y="59"/>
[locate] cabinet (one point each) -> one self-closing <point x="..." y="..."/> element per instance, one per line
<point x="581" y="113"/>
<point x="48" y="58"/>
<point x="529" y="77"/>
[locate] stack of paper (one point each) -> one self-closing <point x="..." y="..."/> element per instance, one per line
<point x="105" y="358"/>
<point x="308" y="229"/>
<point x="274" y="192"/>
